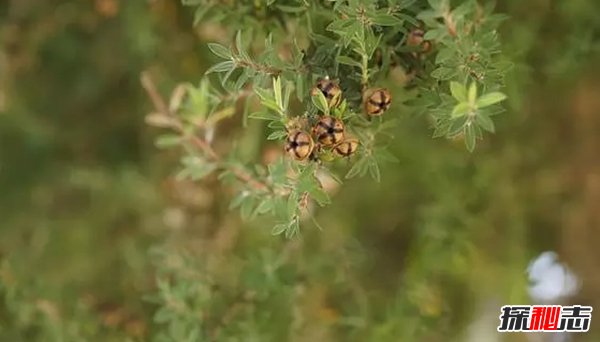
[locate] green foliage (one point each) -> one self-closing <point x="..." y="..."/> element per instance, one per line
<point x="339" y="42"/>
<point x="425" y="254"/>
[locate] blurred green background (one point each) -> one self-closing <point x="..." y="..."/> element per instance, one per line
<point x="91" y="217"/>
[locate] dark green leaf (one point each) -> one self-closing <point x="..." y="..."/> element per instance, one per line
<point x="348" y="61"/>
<point x="385" y="20"/>
<point x="221" y="67"/>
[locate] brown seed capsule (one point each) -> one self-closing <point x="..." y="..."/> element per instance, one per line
<point x="299" y="145"/>
<point x="377" y="101"/>
<point x="346" y="148"/>
<point x="416" y="37"/>
<point x="329" y="131"/>
<point x="330" y="89"/>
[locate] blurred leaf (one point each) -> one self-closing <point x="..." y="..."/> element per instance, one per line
<point x="458" y="91"/>
<point x="221" y="67"/>
<point x="168" y="140"/>
<point x="265" y="205"/>
<point x="320" y="102"/>
<point x="470" y="137"/>
<point x="279" y="228"/>
<point x="485" y="122"/>
<point x="490" y="99"/>
<point x="472" y="92"/>
<point x="348" y="61"/>
<point x="277" y="135"/>
<point x="160" y="120"/>
<point x="385" y="20"/>
<point x="460" y="109"/>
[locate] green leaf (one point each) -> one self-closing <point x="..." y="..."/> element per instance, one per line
<point x="277" y="135"/>
<point x="292" y="205"/>
<point x="293" y="229"/>
<point x="320" y="196"/>
<point x="163" y="315"/>
<point x="239" y="46"/>
<point x="490" y="99"/>
<point x="221" y="67"/>
<point x="300" y="87"/>
<point x="485" y="122"/>
<point x="168" y="140"/>
<point x="237" y="201"/>
<point x="459" y="91"/>
<point x="219" y="50"/>
<point x="385" y="20"/>
<point x="279" y="228"/>
<point x="444" y="73"/>
<point x="472" y="92"/>
<point x="470" y="136"/>
<point x="277" y="91"/>
<point x="348" y="61"/>
<point x="460" y="109"/>
<point x="201" y="171"/>
<point x="359" y="168"/>
<point x="374" y="170"/>
<point x="264" y="115"/>
<point x="291" y="9"/>
<point x="265" y="206"/>
<point x="382" y="154"/>
<point x="320" y="102"/>
<point x="197" y="168"/>
<point x="247" y="208"/>
<point x="278" y="172"/>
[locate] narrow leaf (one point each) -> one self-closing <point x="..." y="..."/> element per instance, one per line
<point x="472" y="92"/>
<point x="348" y="61"/>
<point x="385" y="20"/>
<point x="219" y="50"/>
<point x="460" y="109"/>
<point x="470" y="137"/>
<point x="485" y="122"/>
<point x="221" y="67"/>
<point x="459" y="91"/>
<point x="490" y="99"/>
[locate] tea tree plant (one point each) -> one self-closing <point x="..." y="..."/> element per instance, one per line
<point x="321" y="75"/>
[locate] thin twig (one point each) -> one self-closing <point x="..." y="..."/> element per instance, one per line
<point x="161" y="106"/>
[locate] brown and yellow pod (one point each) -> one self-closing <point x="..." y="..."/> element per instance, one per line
<point x="329" y="131"/>
<point x="299" y="145"/>
<point x="376" y="101"/>
<point x="346" y="148"/>
<point x="331" y="90"/>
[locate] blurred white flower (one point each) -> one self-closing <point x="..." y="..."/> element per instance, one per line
<point x="550" y="280"/>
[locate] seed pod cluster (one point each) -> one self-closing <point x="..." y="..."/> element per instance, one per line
<point x="328" y="133"/>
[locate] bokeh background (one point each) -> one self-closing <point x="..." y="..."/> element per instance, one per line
<point x="98" y="242"/>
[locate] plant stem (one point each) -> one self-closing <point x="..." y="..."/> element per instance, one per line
<point x="161" y="106"/>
